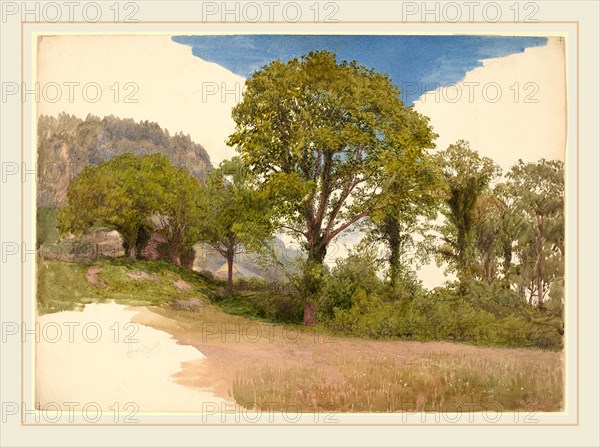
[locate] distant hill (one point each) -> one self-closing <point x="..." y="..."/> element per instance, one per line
<point x="67" y="145"/>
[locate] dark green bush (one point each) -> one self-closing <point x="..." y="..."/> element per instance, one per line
<point x="485" y="316"/>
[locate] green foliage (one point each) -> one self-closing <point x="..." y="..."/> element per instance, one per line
<point x="538" y="193"/>
<point x="67" y="145"/>
<point x="352" y="275"/>
<point x="467" y="176"/>
<point x="326" y="136"/>
<point x="46" y="231"/>
<point x="262" y="304"/>
<point x="411" y="197"/>
<point x="481" y="314"/>
<point x="365" y="318"/>
<point x="235" y="216"/>
<point x="325" y="147"/>
<point x="176" y="213"/>
<point x="495" y="298"/>
<point x="130" y="194"/>
<point x="489" y="211"/>
<point x="556" y="302"/>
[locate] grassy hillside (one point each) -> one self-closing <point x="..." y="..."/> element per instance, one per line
<point x="481" y="320"/>
<point x="64" y="286"/>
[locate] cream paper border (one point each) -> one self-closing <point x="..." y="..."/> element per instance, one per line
<point x="412" y="435"/>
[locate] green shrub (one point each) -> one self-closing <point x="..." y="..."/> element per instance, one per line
<point x="261" y="303"/>
<point x="356" y="272"/>
<point x="481" y="318"/>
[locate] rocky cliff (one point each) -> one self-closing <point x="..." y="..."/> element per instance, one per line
<point x="67" y="144"/>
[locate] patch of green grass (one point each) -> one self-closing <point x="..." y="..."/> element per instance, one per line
<point x="243" y="307"/>
<point x="63" y="285"/>
<point x="261" y="303"/>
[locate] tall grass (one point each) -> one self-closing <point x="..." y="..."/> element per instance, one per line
<point x="453" y="382"/>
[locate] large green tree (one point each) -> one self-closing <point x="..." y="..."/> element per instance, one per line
<point x="492" y="225"/>
<point x="412" y="197"/>
<point x="323" y="137"/>
<point x="177" y="213"/>
<point x="132" y="194"/>
<point x="467" y="175"/>
<point x="503" y="222"/>
<point x="538" y="193"/>
<point x="235" y="216"/>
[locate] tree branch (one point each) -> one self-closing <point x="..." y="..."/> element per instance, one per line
<point x="324" y="190"/>
<point x="342" y="227"/>
<point x="295" y="230"/>
<point x="338" y="206"/>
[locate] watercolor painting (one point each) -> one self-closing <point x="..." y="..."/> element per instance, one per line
<point x="343" y="223"/>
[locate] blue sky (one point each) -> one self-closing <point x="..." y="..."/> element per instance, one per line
<point x="416" y="64"/>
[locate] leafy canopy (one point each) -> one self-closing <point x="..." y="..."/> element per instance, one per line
<point x="235" y="216"/>
<point x="326" y="139"/>
<point x="467" y="177"/>
<point x="125" y="193"/>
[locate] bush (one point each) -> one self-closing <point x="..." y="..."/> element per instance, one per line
<point x="486" y="316"/>
<point x="356" y="272"/>
<point x="260" y="303"/>
<point x="495" y="298"/>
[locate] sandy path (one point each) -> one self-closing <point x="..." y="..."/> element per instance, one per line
<point x="99" y="356"/>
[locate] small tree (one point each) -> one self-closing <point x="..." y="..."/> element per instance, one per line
<point x="177" y="213"/>
<point x="538" y="191"/>
<point x="234" y="216"/>
<point x="411" y="200"/>
<point x="509" y="225"/>
<point x="487" y="226"/>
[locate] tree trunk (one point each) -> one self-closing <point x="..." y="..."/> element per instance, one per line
<point x="488" y="267"/>
<point x="461" y="257"/>
<point x="531" y="292"/>
<point x="310" y="313"/>
<point x="311" y="285"/>
<point x="507" y="252"/>
<point x="538" y="271"/>
<point x="130" y="250"/>
<point x="142" y="238"/>
<point x="176" y="254"/>
<point x="393" y="239"/>
<point x="230" y="257"/>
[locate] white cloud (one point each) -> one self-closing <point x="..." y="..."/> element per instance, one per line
<point x="512" y="107"/>
<point x="175" y="89"/>
<point x="527" y="121"/>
